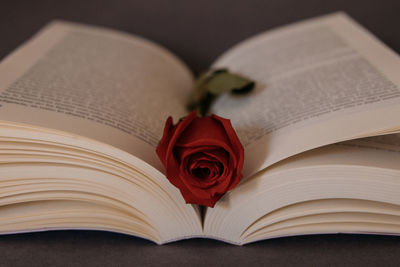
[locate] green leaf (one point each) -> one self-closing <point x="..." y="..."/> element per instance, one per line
<point x="222" y="82"/>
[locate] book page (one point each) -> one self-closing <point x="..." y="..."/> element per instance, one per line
<point x="389" y="142"/>
<point x="97" y="83"/>
<point x="320" y="81"/>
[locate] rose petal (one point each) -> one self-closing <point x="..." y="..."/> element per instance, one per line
<point x="223" y="181"/>
<point x="204" y="128"/>
<point x="189" y="164"/>
<point x="208" y="179"/>
<point x="205" y="170"/>
<point x="234" y="141"/>
<point x="171" y="166"/>
<point x="191" y="157"/>
<point x="191" y="199"/>
<point x="205" y="145"/>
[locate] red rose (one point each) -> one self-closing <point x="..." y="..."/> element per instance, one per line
<point x="203" y="157"/>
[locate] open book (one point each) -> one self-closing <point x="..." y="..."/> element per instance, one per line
<point x="83" y="108"/>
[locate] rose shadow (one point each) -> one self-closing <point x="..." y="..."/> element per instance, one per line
<point x="252" y="167"/>
<point x="252" y="162"/>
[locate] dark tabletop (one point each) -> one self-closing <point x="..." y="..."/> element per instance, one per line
<point x="196" y="31"/>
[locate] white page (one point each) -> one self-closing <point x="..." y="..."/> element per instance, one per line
<point x="318" y="82"/>
<point x="105" y="85"/>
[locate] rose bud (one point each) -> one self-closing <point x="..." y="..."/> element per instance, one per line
<point x="203" y="157"/>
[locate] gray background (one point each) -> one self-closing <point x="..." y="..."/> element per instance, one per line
<point x="197" y="31"/>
